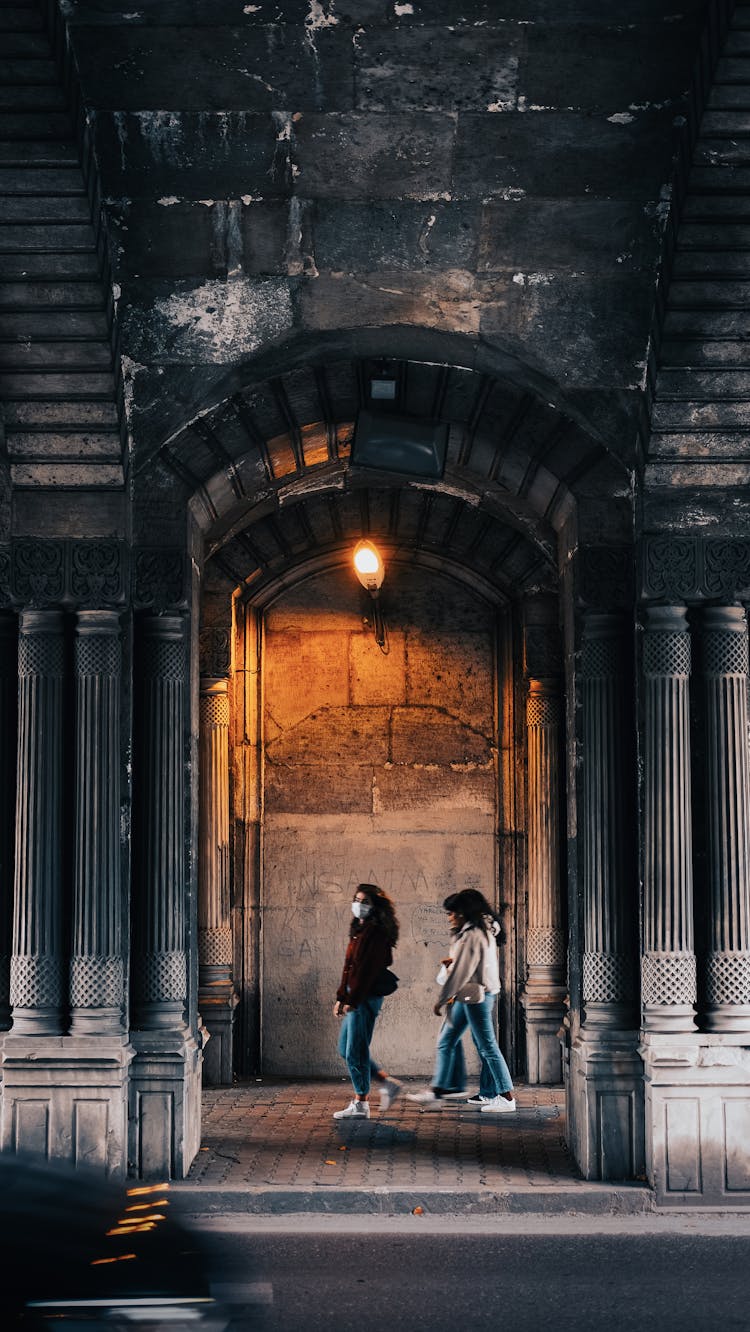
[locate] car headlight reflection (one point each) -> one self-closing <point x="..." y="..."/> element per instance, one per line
<point x="145" y="1313"/>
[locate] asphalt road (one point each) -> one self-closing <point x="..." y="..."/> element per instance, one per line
<point x="459" y="1282"/>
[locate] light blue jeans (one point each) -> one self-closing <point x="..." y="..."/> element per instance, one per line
<point x="354" y="1042"/>
<point x="450" y="1068"/>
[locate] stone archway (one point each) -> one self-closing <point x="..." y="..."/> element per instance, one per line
<point x="288" y="510"/>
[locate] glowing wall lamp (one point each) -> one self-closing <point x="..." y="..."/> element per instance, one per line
<point x="370" y="571"/>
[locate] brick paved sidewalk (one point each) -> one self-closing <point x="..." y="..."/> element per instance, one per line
<point x="273" y="1145"/>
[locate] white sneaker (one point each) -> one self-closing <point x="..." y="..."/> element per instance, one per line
<point x="389" y="1090"/>
<point x="498" y="1105"/>
<point x="354" y="1110"/>
<point x="427" y="1097"/>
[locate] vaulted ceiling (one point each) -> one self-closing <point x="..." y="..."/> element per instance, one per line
<point x="271" y="482"/>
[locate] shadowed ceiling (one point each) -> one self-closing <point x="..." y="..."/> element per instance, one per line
<point x="272" y="487"/>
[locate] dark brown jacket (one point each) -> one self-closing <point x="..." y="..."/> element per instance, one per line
<point x="367" y="954"/>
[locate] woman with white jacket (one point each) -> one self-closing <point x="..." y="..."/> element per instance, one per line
<point x="468" y="993"/>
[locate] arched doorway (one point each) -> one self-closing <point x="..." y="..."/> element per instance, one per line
<point x="279" y="525"/>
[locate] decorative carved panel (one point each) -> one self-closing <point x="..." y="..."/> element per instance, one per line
<point x="694" y="568"/>
<point x="38" y="572"/>
<point x="214" y="653"/>
<point x="159" y="579"/>
<point x="726" y="568"/>
<point x="96" y="573"/>
<point x="63" y="573"/>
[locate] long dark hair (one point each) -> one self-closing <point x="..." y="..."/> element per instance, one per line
<point x="383" y="912"/>
<point x="474" y="907"/>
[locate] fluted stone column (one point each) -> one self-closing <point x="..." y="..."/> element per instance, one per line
<point x="605" y="1092"/>
<point x="159" y="971"/>
<point x="608" y="911"/>
<point x="36" y="985"/>
<point x="216" y="996"/>
<point x="668" y="975"/>
<point x="96" y="968"/>
<point x="726" y="963"/>
<point x="545" y="989"/>
<point x="8" y="713"/>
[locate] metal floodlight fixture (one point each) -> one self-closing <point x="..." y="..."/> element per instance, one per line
<point x="383" y="390"/>
<point x="383" y="383"/>
<point x="369" y="567"/>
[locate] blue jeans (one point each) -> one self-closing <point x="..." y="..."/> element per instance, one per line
<point x="354" y="1042"/>
<point x="450" y="1069"/>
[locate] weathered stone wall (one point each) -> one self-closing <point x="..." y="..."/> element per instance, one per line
<point x="280" y="177"/>
<point x="378" y="768"/>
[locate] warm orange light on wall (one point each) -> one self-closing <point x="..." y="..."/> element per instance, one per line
<point x="368" y="566"/>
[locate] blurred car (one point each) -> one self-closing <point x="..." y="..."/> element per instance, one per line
<point x="81" y="1251"/>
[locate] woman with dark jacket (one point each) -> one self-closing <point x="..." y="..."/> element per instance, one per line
<point x="372" y="935"/>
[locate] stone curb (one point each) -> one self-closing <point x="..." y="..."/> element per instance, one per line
<point x="594" y="1200"/>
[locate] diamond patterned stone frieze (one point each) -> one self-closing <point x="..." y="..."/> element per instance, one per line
<point x="666" y="653"/>
<point x="607" y="978"/>
<point x="542" y="710"/>
<point x="36" y="982"/>
<point x="160" y="977"/>
<point x="96" y="982"/>
<point x="215" y="947"/>
<point x="97" y="655"/>
<point x="41" y="654"/>
<point x="725" y="653"/>
<point x="668" y="978"/>
<point x="545" y="947"/>
<point x="727" y="978"/>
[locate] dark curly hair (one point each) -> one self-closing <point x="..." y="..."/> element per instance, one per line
<point x="383" y="912"/>
<point x="473" y="906"/>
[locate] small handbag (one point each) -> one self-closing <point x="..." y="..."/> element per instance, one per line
<point x="470" y="993"/>
<point x="386" y="983"/>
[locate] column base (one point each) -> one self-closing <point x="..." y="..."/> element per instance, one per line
<point x="728" y="1017"/>
<point x="165" y="1104"/>
<point x="669" y="1017"/>
<point x="605" y="1104"/>
<point x="217" y="1010"/>
<point x="37" y="1022"/>
<point x="65" y="1098"/>
<point x="543" y="1019"/>
<point x="697" y="1108"/>
<point x="96" y="1022"/>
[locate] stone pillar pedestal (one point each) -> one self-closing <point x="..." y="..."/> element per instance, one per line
<point x="165" y="1079"/>
<point x="606" y="1073"/>
<point x="544" y="994"/>
<point x="66" y="1098"/>
<point x="697" y="1107"/>
<point x="725" y="965"/>
<point x="606" y="1121"/>
<point x="216" y="994"/>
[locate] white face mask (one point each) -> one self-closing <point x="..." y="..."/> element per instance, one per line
<point x="361" y="910"/>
